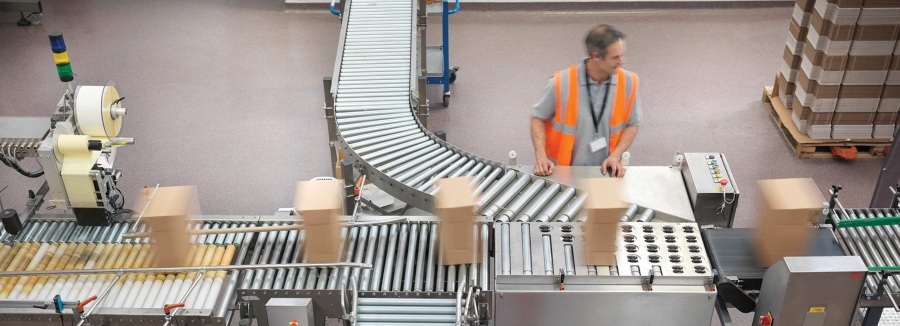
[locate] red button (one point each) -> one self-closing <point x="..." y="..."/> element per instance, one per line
<point x="717" y="171"/>
<point x="723" y="181"/>
<point x="765" y="320"/>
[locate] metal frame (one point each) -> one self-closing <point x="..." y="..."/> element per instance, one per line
<point x="884" y="196"/>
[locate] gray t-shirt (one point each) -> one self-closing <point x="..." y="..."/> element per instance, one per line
<point x="585" y="133"/>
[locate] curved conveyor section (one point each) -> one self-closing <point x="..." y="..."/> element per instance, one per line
<point x="375" y="73"/>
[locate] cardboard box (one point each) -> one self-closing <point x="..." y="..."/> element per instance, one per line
<point x="604" y="207"/>
<point x="454" y="206"/>
<point x="600" y="237"/>
<point x="320" y="203"/>
<point x="893" y="76"/>
<point x="866" y="69"/>
<point x="814" y="88"/>
<point x="600" y="258"/>
<point x="788" y="209"/>
<point x="604" y="204"/>
<point x="167" y="215"/>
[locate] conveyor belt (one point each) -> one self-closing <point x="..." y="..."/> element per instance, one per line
<point x="376" y="67"/>
<point x="64" y="245"/>
<point x="403" y="256"/>
<point x="876" y="245"/>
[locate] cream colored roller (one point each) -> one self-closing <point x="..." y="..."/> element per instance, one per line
<point x="95" y="112"/>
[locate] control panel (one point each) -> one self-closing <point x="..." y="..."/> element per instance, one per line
<point x="711" y="188"/>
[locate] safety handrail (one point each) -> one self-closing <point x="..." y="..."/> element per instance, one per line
<point x="351" y="315"/>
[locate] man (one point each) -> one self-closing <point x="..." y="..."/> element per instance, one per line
<point x="589" y="113"/>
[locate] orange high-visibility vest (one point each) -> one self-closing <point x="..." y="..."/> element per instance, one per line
<point x="560" y="131"/>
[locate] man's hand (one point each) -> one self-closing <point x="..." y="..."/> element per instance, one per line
<point x="543" y="166"/>
<point x="614" y="166"/>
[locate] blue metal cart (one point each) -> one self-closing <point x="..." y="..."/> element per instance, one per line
<point x="438" y="70"/>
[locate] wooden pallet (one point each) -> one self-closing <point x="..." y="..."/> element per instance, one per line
<point x="806" y="147"/>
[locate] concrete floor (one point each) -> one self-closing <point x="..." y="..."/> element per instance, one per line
<point x="228" y="95"/>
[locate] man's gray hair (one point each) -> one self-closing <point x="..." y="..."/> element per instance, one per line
<point x="599" y="39"/>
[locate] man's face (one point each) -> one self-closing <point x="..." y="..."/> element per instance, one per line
<point x="615" y="57"/>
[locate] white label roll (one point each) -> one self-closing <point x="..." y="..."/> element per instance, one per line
<point x="93" y="111"/>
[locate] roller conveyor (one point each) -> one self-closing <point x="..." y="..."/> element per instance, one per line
<point x="376" y="123"/>
<point x="403" y="256"/>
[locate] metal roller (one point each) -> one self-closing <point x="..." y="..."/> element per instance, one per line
<point x="361" y="243"/>
<point x="450" y="277"/>
<point x="530" y="211"/>
<point x="334" y="272"/>
<point x="254" y="259"/>
<point x="413" y="160"/>
<point x="443" y="173"/>
<point x="401" y="254"/>
<point x="379" y="258"/>
<point x="275" y="258"/>
<point x="629" y="213"/>
<point x="420" y="173"/>
<point x="548" y="255"/>
<point x="464" y="169"/>
<point x="493" y="190"/>
<point x="383" y="156"/>
<point x="570" y="259"/>
<point x="419" y="284"/>
<point x="351" y="254"/>
<point x="555" y="205"/>
<point x="409" y="138"/>
<point x="504" y="253"/>
<point x="374" y="239"/>
<point x="526" y="250"/>
<point x="857" y="246"/>
<point x="287" y="276"/>
<point x="506" y="195"/>
<point x="646" y="215"/>
<point x="568" y="213"/>
<point x="410" y="257"/>
<point x="484" y="266"/>
<point x="389" y="260"/>
<point x="523" y="198"/>
<point x="430" y="264"/>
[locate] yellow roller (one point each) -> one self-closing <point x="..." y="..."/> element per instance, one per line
<point x="25" y="285"/>
<point x="95" y="282"/>
<point x="58" y="261"/>
<point x="20" y="265"/>
<point x="82" y="261"/>
<point x="4" y="251"/>
<point x="116" y="290"/>
<point x="100" y="251"/>
<point x="220" y="277"/>
<point x="19" y="250"/>
<point x="172" y="294"/>
<point x="56" y="282"/>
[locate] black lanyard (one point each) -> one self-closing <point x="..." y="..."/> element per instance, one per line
<point x="587" y="86"/>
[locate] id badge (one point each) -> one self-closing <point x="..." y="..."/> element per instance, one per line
<point x="598" y="144"/>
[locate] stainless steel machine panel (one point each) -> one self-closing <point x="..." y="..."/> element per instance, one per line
<point x="290" y="311"/>
<point x="604" y="308"/>
<point x="815" y="291"/>
<point x="714" y="204"/>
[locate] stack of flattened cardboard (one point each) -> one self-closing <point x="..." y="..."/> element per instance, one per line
<point x="796" y="40"/>
<point x="842" y="87"/>
<point x="788" y="210"/>
<point x="604" y="207"/>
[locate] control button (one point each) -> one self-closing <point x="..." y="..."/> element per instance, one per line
<point x="714" y="161"/>
<point x="716" y="180"/>
<point x="718" y="175"/>
<point x="717" y="170"/>
<point x="765" y="320"/>
<point x="709" y="163"/>
<point x="719" y="188"/>
<point x="711" y="157"/>
<point x="723" y="181"/>
<point x="715" y="165"/>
